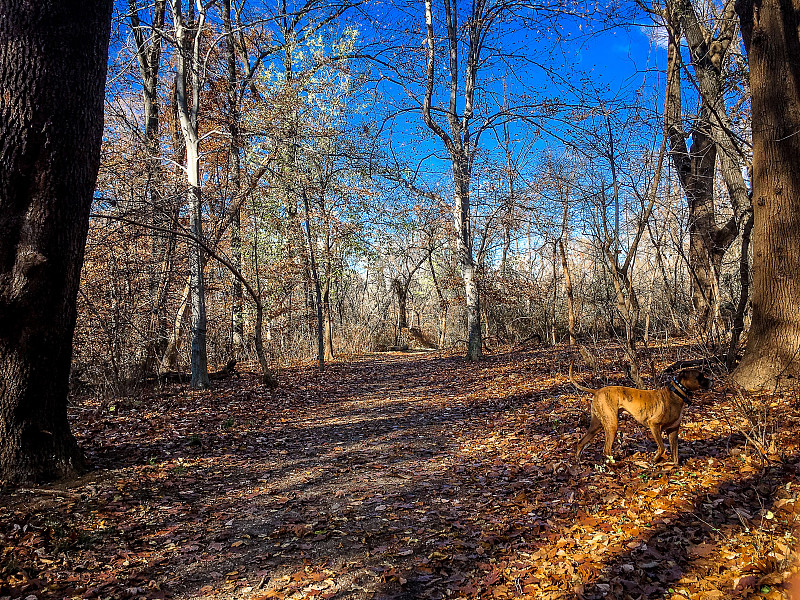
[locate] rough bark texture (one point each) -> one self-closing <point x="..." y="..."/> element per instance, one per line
<point x="169" y="361"/>
<point x="771" y="32"/>
<point x="470" y="277"/>
<point x="236" y="285"/>
<point x="696" y="166"/>
<point x="708" y="48"/>
<point x="196" y="282"/>
<point x="744" y="293"/>
<point x="169" y="358"/>
<point x="328" y="320"/>
<point x="53" y="58"/>
<point x="401" y="291"/>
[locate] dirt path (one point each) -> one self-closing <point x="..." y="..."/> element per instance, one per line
<point x="399" y="476"/>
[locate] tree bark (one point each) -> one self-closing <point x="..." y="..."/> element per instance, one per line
<point x="328" y="321"/>
<point x="169" y="362"/>
<point x="707" y="50"/>
<point x="696" y="166"/>
<point x="553" y="312"/>
<point x="400" y="291"/>
<point x="148" y="55"/>
<point x="771" y="32"/>
<point x="569" y="292"/>
<point x="744" y="293"/>
<point x="460" y="144"/>
<point x="188" y="35"/>
<point x="53" y="57"/>
<point x="316" y="283"/>
<point x="196" y="281"/>
<point x="235" y="176"/>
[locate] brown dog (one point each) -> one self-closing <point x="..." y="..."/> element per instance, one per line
<point x="660" y="410"/>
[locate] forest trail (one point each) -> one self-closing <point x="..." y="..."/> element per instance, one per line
<point x="402" y="476"/>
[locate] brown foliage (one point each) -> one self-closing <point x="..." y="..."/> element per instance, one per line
<point x="403" y="476"/>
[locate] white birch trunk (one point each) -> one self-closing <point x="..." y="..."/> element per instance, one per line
<point x="188" y="66"/>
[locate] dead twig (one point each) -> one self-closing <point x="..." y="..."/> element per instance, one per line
<point x="47" y="492"/>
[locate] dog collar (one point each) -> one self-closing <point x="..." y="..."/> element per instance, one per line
<point x="680" y="391"/>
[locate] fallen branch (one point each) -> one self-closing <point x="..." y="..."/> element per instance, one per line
<point x="47" y="492"/>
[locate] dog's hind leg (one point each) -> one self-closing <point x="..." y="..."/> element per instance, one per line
<point x="610" y="427"/>
<point x="594" y="427"/>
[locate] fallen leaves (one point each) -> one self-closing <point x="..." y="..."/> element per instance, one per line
<point x="400" y="477"/>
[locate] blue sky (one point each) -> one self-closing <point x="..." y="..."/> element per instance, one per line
<point x="620" y="64"/>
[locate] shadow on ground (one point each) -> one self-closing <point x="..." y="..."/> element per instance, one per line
<point x="397" y="477"/>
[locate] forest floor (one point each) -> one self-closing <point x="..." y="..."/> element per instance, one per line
<point x="406" y="476"/>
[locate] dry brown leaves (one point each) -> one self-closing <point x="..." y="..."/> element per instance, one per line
<point x="403" y="476"/>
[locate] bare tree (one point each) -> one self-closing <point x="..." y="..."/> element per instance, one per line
<point x="189" y="82"/>
<point x="609" y="235"/>
<point x="713" y="142"/>
<point x="148" y="41"/>
<point x="233" y="101"/>
<point x="461" y="142"/>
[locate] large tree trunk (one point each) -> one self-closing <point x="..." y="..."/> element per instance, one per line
<point x="53" y="58"/>
<point x="705" y="253"/>
<point x="196" y="282"/>
<point x="707" y="47"/>
<point x="771" y="32"/>
<point x="459" y="143"/>
<point x="328" y="320"/>
<point x="400" y="291"/>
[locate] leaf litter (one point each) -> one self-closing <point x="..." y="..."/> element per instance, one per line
<point x="403" y="476"/>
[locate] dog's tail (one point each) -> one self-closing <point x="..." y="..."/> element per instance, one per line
<point x="576" y="384"/>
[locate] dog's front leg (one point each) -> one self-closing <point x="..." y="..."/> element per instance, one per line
<point x="655" y="429"/>
<point x="673" y="445"/>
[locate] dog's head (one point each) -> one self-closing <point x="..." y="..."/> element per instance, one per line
<point x="694" y="380"/>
